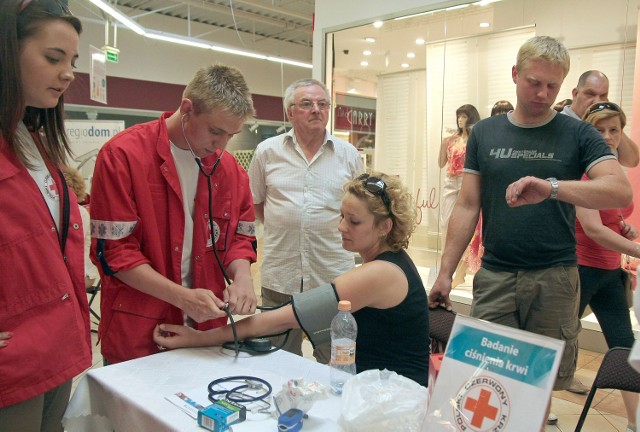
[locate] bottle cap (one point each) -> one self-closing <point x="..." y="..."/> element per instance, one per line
<point x="344" y="305"/>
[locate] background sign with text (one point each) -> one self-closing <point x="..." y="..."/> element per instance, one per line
<point x="355" y="119"/>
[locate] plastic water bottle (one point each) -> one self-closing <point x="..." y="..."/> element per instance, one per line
<point x="344" y="332"/>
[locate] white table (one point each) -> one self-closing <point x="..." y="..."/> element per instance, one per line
<point x="130" y="396"/>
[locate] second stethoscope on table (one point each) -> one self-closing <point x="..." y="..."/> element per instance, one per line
<point x="237" y="346"/>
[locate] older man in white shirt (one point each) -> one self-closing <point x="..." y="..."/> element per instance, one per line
<point x="296" y="181"/>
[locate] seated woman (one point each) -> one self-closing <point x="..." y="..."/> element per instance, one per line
<point x="387" y="297"/>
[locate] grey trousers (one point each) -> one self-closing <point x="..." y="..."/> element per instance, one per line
<point x="42" y="413"/>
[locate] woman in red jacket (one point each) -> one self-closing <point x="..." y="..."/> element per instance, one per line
<point x="44" y="316"/>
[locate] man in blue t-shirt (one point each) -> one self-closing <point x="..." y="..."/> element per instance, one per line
<point x="523" y="170"/>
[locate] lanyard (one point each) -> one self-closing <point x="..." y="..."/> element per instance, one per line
<point x="66" y="213"/>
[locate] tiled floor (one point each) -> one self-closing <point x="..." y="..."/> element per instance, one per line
<point x="607" y="412"/>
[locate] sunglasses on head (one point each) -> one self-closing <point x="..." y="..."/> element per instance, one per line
<point x="54" y="7"/>
<point x="376" y="186"/>
<point x="603" y="106"/>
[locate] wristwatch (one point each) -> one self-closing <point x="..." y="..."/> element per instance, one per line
<point x="554" y="188"/>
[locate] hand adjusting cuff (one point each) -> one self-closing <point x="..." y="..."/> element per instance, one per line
<point x="554" y="188"/>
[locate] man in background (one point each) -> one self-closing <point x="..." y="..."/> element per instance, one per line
<point x="296" y="182"/>
<point x="593" y="87"/>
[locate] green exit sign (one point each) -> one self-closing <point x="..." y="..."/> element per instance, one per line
<point x="112" y="54"/>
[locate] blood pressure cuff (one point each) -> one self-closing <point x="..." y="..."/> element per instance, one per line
<point x="314" y="310"/>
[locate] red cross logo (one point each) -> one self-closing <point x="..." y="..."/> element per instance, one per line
<point x="483" y="405"/>
<point x="50" y="187"/>
<point x="481" y="408"/>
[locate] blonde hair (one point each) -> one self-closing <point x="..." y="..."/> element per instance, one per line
<point x="403" y="212"/>
<point x="604" y="114"/>
<point x="221" y="87"/>
<point x="544" y="48"/>
<point x="76" y="182"/>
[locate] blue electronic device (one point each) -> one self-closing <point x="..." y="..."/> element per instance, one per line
<point x="291" y="420"/>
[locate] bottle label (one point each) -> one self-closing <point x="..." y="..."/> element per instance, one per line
<point x="343" y="354"/>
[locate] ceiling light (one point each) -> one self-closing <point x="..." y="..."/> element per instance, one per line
<point x="411" y="55"/>
<point x="420" y="41"/>
<point x="174" y="39"/>
<point x="364" y="63"/>
<point x="366" y="52"/>
<point x="377" y="24"/>
<point x="370" y="39"/>
<point x="412" y="16"/>
<point x="194" y="42"/>
<point x="405" y="65"/>
<point x="462" y="6"/>
<point x="289" y="62"/>
<point x="484" y="24"/>
<point x="119" y="16"/>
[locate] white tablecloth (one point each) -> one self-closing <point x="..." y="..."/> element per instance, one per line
<point x="130" y="396"/>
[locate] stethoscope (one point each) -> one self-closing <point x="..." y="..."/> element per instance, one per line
<point x="236" y="344"/>
<point x="208" y="175"/>
<point x="197" y="159"/>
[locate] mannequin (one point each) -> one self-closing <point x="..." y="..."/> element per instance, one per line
<point x="473" y="255"/>
<point x="452" y="153"/>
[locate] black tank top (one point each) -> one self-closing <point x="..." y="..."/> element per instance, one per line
<point x="397" y="339"/>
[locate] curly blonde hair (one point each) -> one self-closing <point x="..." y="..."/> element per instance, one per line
<point x="403" y="212"/>
<point x="76" y="182"/>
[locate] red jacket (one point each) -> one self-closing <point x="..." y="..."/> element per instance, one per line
<point x="42" y="299"/>
<point x="137" y="216"/>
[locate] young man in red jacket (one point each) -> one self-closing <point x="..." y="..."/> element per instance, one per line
<point x="170" y="211"/>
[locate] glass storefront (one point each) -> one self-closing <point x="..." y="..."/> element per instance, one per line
<point x="421" y="68"/>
